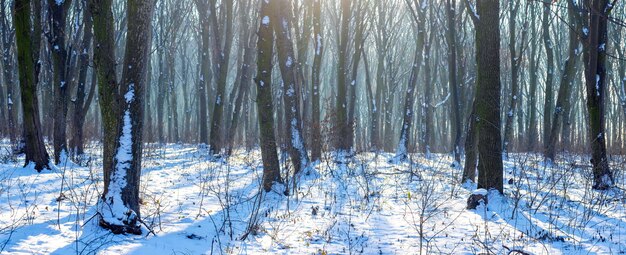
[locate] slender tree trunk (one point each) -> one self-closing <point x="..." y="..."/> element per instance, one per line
<point x="287" y="61"/>
<point x="81" y="104"/>
<point x="471" y="148"/>
<point x="567" y="82"/>
<point x="221" y="56"/>
<point x="341" y="126"/>
<point x="204" y="71"/>
<point x="515" y="61"/>
<point x="8" y="41"/>
<point x="549" y="94"/>
<point x="356" y="59"/>
<point x="265" y="47"/>
<point x="318" y="42"/>
<point x="244" y="88"/>
<point x="533" y="67"/>
<point x="405" y="130"/>
<point x="452" y="79"/>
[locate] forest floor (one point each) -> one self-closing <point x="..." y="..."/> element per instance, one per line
<point x="369" y="206"/>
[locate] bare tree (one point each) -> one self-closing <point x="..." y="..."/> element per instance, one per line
<point x="265" y="49"/>
<point x="594" y="54"/>
<point x="34" y="147"/>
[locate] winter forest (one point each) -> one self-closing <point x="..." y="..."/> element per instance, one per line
<point x="313" y="127"/>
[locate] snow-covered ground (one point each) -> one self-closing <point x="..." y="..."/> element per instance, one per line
<point x="196" y="206"/>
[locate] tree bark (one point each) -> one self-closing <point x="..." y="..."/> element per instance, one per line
<point x="452" y="80"/>
<point x="119" y="209"/>
<point x="487" y="101"/>
<point x="318" y="42"/>
<point x="104" y="63"/>
<point x="221" y="57"/>
<point x="287" y="61"/>
<point x="549" y="94"/>
<point x="58" y="15"/>
<point x="81" y="104"/>
<point x="341" y="123"/>
<point x="566" y="84"/>
<point x="265" y="48"/>
<point x="595" y="80"/>
<point x="34" y="147"/>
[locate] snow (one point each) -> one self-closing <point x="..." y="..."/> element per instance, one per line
<point x="473" y="9"/>
<point x="443" y="101"/>
<point x="483" y="192"/>
<point x="113" y="208"/>
<point x="296" y="141"/>
<point x="318" y="47"/>
<point x="265" y="20"/>
<point x="366" y="206"/>
<point x="597" y="85"/>
<point x="289" y="61"/>
<point x="59" y="2"/>
<point x="130" y="94"/>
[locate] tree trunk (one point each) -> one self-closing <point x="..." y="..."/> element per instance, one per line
<point x="318" y="42"/>
<point x="595" y="80"/>
<point x="341" y="126"/>
<point x="487" y="101"/>
<point x="407" y="120"/>
<point x="287" y="62"/>
<point x="515" y="60"/>
<point x="549" y="94"/>
<point x="119" y="208"/>
<point x="567" y="82"/>
<point x="452" y="79"/>
<point x="533" y="66"/>
<point x="265" y="47"/>
<point x="204" y="71"/>
<point x="34" y="147"/>
<point x="81" y="104"/>
<point x="58" y="14"/>
<point x="221" y="56"/>
<point x="104" y="63"/>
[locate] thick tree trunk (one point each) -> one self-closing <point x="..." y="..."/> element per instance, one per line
<point x="342" y="144"/>
<point x="58" y="14"/>
<point x="487" y="101"/>
<point x="34" y="147"/>
<point x="595" y="80"/>
<point x="104" y="63"/>
<point x="265" y="48"/>
<point x="119" y="208"/>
